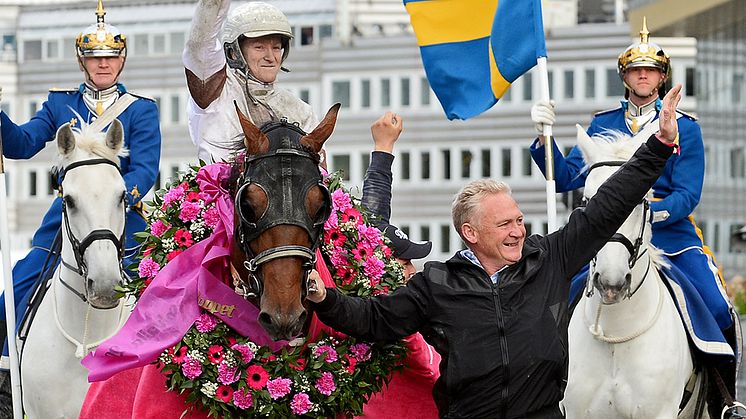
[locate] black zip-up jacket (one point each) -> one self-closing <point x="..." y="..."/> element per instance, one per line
<point x="503" y="347"/>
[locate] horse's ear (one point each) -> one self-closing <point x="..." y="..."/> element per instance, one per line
<point x="586" y="145"/>
<point x="255" y="140"/>
<point x="316" y="138"/>
<point x="115" y="135"/>
<point x="65" y="139"/>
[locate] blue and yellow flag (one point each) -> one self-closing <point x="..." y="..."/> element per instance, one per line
<point x="472" y="50"/>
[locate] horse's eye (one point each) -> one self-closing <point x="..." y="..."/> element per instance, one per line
<point x="247" y="212"/>
<point x="69" y="202"/>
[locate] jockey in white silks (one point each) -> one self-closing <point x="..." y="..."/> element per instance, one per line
<point x="240" y="65"/>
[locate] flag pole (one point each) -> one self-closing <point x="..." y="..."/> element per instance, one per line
<point x="10" y="308"/>
<point x="541" y="64"/>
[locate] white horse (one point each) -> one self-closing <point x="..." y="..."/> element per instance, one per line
<point x="80" y="308"/>
<point x="628" y="349"/>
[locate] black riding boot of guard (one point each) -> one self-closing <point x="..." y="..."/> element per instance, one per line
<point x="722" y="389"/>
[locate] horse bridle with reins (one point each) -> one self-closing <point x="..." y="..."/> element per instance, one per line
<point x="632" y="248"/>
<point x="80" y="246"/>
<point x="285" y="207"/>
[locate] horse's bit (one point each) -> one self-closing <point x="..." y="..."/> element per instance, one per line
<point x="80" y="246"/>
<point x="286" y="205"/>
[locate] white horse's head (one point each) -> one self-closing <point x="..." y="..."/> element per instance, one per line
<point x="611" y="271"/>
<point x="94" y="199"/>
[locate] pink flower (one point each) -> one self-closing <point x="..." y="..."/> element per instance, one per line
<point x="279" y="387"/>
<point x="148" y="268"/>
<point x="191" y="368"/>
<point x="326" y="351"/>
<point x="205" y="323"/>
<point x="211" y="217"/>
<point x="373" y="268"/>
<point x="224" y="393"/>
<point x="183" y="237"/>
<point x="256" y="377"/>
<point x="361" y="351"/>
<point x="158" y="228"/>
<point x="227" y="375"/>
<point x="325" y="385"/>
<point x="246" y="353"/>
<point x="215" y="354"/>
<point x="341" y="200"/>
<point x="331" y="222"/>
<point x="361" y="252"/>
<point x="188" y="211"/>
<point x="180" y="356"/>
<point x="172" y="254"/>
<point x="338" y="258"/>
<point x="301" y="404"/>
<point x="174" y="195"/>
<point x="371" y="236"/>
<point x="242" y="399"/>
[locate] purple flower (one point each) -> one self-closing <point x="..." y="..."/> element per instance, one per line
<point x="188" y="211"/>
<point x="371" y="236"/>
<point x="242" y="399"/>
<point x="211" y="217"/>
<point x="301" y="404"/>
<point x="332" y="222"/>
<point x="174" y="195"/>
<point x="205" y="323"/>
<point x="341" y="200"/>
<point x="246" y="353"/>
<point x="148" y="268"/>
<point x="373" y="268"/>
<point x="279" y="387"/>
<point x="227" y="375"/>
<point x="191" y="368"/>
<point x="158" y="228"/>
<point x="331" y="354"/>
<point x="338" y="257"/>
<point x="325" y="385"/>
<point x="360" y="351"/>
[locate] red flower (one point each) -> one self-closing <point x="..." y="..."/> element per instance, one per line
<point x="231" y="341"/>
<point x="256" y="377"/>
<point x="351" y="362"/>
<point x="300" y="365"/>
<point x="336" y="238"/>
<point x="224" y="393"/>
<point x="179" y="356"/>
<point x="351" y="214"/>
<point x="183" y="237"/>
<point x="147" y="252"/>
<point x="193" y="197"/>
<point x="215" y="354"/>
<point x="171" y="255"/>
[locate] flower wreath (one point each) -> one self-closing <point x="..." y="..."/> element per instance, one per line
<point x="229" y="375"/>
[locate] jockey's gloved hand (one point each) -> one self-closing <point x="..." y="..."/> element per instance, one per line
<point x="542" y="113"/>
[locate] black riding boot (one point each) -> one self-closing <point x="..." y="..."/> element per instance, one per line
<point x="725" y="372"/>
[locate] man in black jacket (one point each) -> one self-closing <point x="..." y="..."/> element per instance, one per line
<point x="497" y="312"/>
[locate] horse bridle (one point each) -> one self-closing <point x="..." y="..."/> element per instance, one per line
<point x="285" y="207"/>
<point x="632" y="248"/>
<point x="80" y="246"/>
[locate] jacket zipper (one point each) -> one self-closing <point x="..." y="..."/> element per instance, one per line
<point x="503" y="343"/>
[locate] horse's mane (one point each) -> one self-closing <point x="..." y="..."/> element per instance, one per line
<point x="91" y="141"/>
<point x="615" y="145"/>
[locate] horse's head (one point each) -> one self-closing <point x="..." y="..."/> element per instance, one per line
<point x="611" y="270"/>
<point x="93" y="209"/>
<point x="281" y="205"/>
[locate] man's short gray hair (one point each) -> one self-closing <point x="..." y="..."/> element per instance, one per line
<point x="467" y="201"/>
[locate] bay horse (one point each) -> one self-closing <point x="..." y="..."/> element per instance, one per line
<point x="80" y="308"/>
<point x="281" y="204"/>
<point x="628" y="349"/>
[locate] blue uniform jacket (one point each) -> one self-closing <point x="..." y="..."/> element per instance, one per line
<point x="677" y="191"/>
<point x="142" y="137"/>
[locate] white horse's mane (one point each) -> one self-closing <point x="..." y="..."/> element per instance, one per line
<point x="615" y="144"/>
<point x="94" y="142"/>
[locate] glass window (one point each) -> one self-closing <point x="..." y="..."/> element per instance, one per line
<point x="68" y="48"/>
<point x="445" y="238"/>
<point x="325" y="31"/>
<point x="32" y="183"/>
<point x="157" y="100"/>
<point x="305" y="95"/>
<point x="425" y="169"/>
<point x="385" y="92"/>
<point x="405" y="91"/>
<point x="176" y="42"/>
<point x="159" y="43"/>
<point x="142" y="44"/>
<point x="528" y="86"/>
<point x="527" y="162"/>
<point x="569" y="76"/>
<point x="175" y="108"/>
<point x="365" y="93"/>
<point x="366" y="163"/>
<point x="405" y="229"/>
<point x="446" y="164"/>
<point x="342" y="162"/>
<point x="528" y="228"/>
<point x="689" y="85"/>
<point x="737" y="88"/>
<point x="424" y="233"/>
<point x="50" y="188"/>
<point x="53" y="50"/>
<point x="505" y="153"/>
<point x="590" y="83"/>
<point x="33" y="106"/>
<point x="341" y="93"/>
<point x="466" y="158"/>
<point x="614" y="85"/>
<point x="32" y="50"/>
<point x="737" y="163"/>
<point x="306" y="35"/>
<point x="550" y="74"/>
<point x="405" y="175"/>
<point x="424" y="91"/>
<point x="486" y="157"/>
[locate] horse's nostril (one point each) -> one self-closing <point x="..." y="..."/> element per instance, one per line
<point x="265" y="320"/>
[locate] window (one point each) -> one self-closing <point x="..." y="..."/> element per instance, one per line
<point x="466" y="158"/>
<point x="445" y="238"/>
<point x="737" y="163"/>
<point x="32" y="183"/>
<point x="142" y="44"/>
<point x="569" y="76"/>
<point x="5" y="107"/>
<point x="33" y="106"/>
<point x="53" y="50"/>
<point x="405" y="166"/>
<point x="385" y="92"/>
<point x="68" y="48"/>
<point x="424" y="233"/>
<point x="159" y="43"/>
<point x="405" y="229"/>
<point x="175" y="108"/>
<point x="506" y="96"/>
<point x="177" y="41"/>
<point x="342" y="162"/>
<point x="157" y="100"/>
<point x="325" y="31"/>
<point x="50" y="183"/>
<point x="689" y="84"/>
<point x="405" y="91"/>
<point x="365" y="93"/>
<point x="305" y="95"/>
<point x="506" y="162"/>
<point x="341" y="93"/>
<point x="529" y="227"/>
<point x="366" y="163"/>
<point x="528" y="86"/>
<point x="486" y="157"/>
<point x="32" y="51"/>
<point x="424" y="91"/>
<point x="446" y="164"/>
<point x="614" y="86"/>
<point x="737" y="88"/>
<point x="550" y="75"/>
<point x="425" y="169"/>
<point x="527" y="162"/>
<point x="590" y="83"/>
<point x="306" y="35"/>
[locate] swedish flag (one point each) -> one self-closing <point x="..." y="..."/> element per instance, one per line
<point x="472" y="50"/>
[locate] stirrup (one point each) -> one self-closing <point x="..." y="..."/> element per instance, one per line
<point x="737" y="411"/>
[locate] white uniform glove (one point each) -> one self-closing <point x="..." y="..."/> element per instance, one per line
<point x="542" y="112"/>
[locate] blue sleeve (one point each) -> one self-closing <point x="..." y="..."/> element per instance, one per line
<point x="24" y="141"/>
<point x="377" y="186"/>
<point x="684" y="176"/>
<point x="568" y="174"/>
<point x="144" y="152"/>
